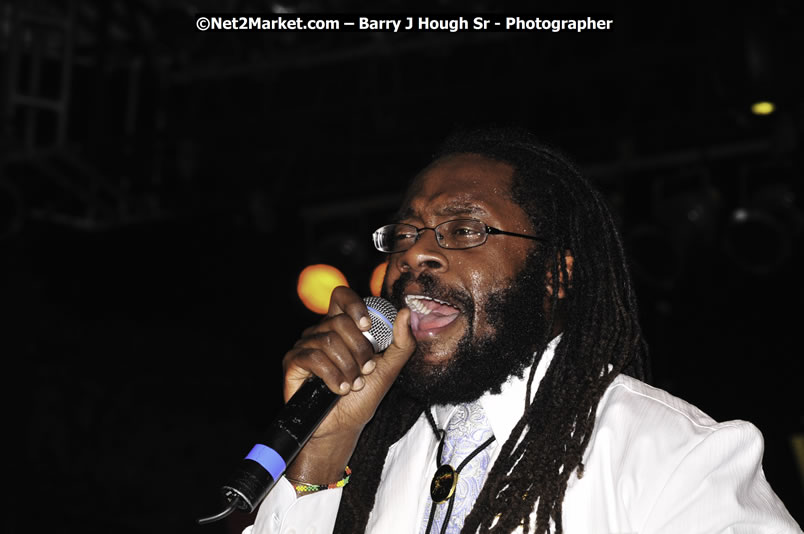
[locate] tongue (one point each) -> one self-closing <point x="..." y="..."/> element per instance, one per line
<point x="435" y="320"/>
<point x="440" y="315"/>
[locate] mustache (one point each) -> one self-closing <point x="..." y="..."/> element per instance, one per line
<point x="431" y="286"/>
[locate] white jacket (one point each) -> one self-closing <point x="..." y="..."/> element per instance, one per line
<point x="655" y="464"/>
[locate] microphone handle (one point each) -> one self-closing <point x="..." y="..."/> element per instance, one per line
<point x="287" y="435"/>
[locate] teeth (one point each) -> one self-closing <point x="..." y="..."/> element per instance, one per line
<point x="415" y="304"/>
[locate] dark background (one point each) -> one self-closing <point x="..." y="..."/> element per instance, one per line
<point x="161" y="188"/>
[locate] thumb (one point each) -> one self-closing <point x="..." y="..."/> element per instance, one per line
<point x="402" y="346"/>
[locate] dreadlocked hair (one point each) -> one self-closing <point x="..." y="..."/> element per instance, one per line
<point x="600" y="339"/>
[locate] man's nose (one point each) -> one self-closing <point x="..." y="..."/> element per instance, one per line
<point x="423" y="255"/>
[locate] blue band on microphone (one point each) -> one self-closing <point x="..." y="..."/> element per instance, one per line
<point x="381" y="316"/>
<point x="269" y="459"/>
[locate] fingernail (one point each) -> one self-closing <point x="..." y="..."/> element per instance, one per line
<point x="369" y="366"/>
<point x="364" y="322"/>
<point x="345" y="387"/>
<point x="358" y="383"/>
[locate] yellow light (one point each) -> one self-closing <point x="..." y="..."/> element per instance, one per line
<point x="315" y="286"/>
<point x="762" y="108"/>
<point x="376" y="278"/>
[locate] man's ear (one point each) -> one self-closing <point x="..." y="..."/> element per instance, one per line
<point x="563" y="285"/>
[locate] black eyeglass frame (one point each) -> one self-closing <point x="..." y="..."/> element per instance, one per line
<point x="489" y="230"/>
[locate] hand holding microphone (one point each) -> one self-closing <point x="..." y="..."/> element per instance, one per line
<point x="338" y="351"/>
<point x="333" y="384"/>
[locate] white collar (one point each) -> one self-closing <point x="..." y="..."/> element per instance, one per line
<point x="504" y="409"/>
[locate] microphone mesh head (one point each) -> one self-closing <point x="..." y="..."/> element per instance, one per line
<point x="383" y="315"/>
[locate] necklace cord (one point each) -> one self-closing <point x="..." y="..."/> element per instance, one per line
<point x="441" y="434"/>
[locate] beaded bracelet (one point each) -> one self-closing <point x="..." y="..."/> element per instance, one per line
<point x="302" y="488"/>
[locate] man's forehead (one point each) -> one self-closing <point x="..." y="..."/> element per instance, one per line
<point x="458" y="207"/>
<point x="458" y="185"/>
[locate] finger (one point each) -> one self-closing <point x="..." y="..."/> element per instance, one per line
<point x="354" y="338"/>
<point x="344" y="300"/>
<point x="348" y="361"/>
<point x="402" y="346"/>
<point x="349" y="332"/>
<point x="368" y="367"/>
<point x="306" y="362"/>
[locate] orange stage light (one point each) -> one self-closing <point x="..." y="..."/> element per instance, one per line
<point x="315" y="286"/>
<point x="376" y="278"/>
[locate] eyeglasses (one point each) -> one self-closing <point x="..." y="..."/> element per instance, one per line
<point x="455" y="234"/>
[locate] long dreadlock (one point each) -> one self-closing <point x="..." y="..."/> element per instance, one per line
<point x="601" y="338"/>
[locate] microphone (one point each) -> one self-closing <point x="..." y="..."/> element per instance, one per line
<point x="294" y="424"/>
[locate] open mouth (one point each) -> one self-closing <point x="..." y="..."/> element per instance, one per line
<point x="430" y="315"/>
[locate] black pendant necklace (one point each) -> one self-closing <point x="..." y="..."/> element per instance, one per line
<point x="443" y="484"/>
<point x="445" y="479"/>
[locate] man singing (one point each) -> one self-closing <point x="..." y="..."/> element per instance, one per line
<point x="511" y="398"/>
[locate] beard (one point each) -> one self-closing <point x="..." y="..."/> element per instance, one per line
<point x="480" y="364"/>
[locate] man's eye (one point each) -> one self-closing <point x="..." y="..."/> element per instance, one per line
<point x="465" y="232"/>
